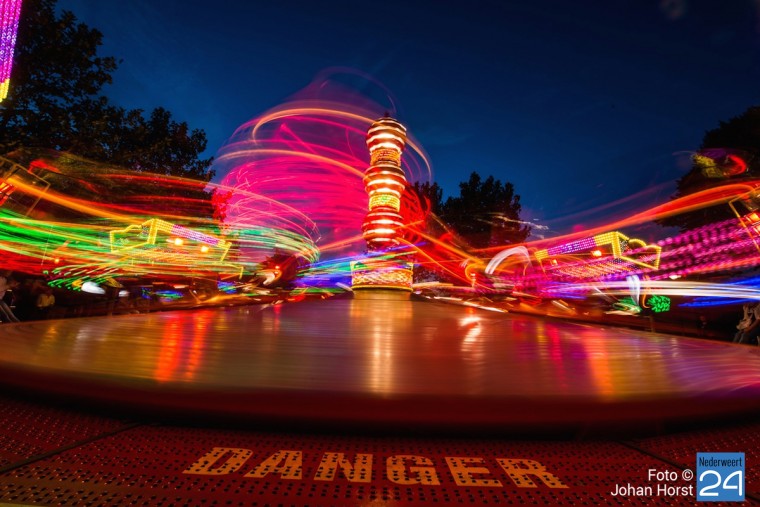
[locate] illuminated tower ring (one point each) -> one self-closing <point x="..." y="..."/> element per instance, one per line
<point x="382" y="229"/>
<point x="384" y="182"/>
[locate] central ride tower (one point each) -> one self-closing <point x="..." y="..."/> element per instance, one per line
<point x="387" y="264"/>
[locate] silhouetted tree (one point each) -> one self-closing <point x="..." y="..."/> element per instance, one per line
<point x="55" y="78"/>
<point x="486" y="213"/>
<point x="728" y="154"/>
<point x="55" y="103"/>
<point x="430" y="196"/>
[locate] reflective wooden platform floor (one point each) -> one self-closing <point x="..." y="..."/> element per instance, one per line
<point x="380" y="362"/>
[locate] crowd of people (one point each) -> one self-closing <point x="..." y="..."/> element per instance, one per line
<point x="31" y="298"/>
<point x="25" y="297"/>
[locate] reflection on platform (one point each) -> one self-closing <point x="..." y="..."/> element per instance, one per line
<point x="379" y="349"/>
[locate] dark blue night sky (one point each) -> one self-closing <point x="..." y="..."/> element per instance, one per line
<point x="578" y="103"/>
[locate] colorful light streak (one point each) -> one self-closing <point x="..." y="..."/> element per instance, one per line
<point x="623" y="254"/>
<point x="746" y="207"/>
<point x="698" y="255"/>
<point x="707" y="250"/>
<point x="740" y="288"/>
<point x="79" y="248"/>
<point x="155" y="231"/>
<point x="569" y="270"/>
<point x="294" y="184"/>
<point x="299" y="169"/>
<point x="671" y="288"/>
<point x="518" y="253"/>
<point x="10" y="10"/>
<point x="81" y="242"/>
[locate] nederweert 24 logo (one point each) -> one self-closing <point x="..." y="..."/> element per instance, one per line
<point x="720" y="476"/>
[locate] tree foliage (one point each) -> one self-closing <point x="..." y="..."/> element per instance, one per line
<point x="55" y="102"/>
<point x="430" y="196"/>
<point x="486" y="212"/>
<point x="736" y="141"/>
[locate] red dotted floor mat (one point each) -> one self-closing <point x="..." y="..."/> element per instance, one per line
<point x="681" y="448"/>
<point x="28" y="429"/>
<point x="119" y="464"/>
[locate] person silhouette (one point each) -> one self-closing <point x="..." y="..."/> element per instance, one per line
<point x="6" y="286"/>
<point x="751" y="331"/>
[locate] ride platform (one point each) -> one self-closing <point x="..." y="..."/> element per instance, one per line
<point x="366" y="401"/>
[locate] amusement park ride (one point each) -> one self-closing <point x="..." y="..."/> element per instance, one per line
<point x="93" y="238"/>
<point x="388" y="362"/>
<point x="78" y="224"/>
<point x="45" y="230"/>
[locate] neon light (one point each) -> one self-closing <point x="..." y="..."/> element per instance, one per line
<point x="626" y="254"/>
<point x="293" y="187"/>
<point x="6" y="189"/>
<point x="748" y="217"/>
<point x="384" y="183"/>
<point x="377" y="273"/>
<point x="385" y="200"/>
<point x="16" y="179"/>
<point x="9" y="15"/>
<point x="659" y="304"/>
<point x="138" y="236"/>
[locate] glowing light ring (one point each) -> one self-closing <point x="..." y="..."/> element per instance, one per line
<point x="385" y="200"/>
<point x="384" y="182"/>
<point x="520" y="252"/>
<point x="310" y="155"/>
<point x="422" y="169"/>
<point x="373" y="273"/>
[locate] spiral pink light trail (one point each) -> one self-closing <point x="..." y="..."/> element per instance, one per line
<point x="309" y="156"/>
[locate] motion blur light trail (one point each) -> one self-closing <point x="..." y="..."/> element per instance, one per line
<point x="719" y="195"/>
<point x="667" y="288"/>
<point x="308" y="155"/>
<point x="577" y="267"/>
<point x="87" y="234"/>
<point x="74" y="219"/>
<point x="294" y="179"/>
<point x="293" y="191"/>
<point x="737" y="291"/>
